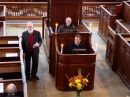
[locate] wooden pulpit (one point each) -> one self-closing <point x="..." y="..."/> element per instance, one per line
<point x="70" y="63"/>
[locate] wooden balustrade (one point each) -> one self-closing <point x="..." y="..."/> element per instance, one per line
<point x="25" y="10"/>
<point x="35" y="10"/>
<point x="91" y="10"/>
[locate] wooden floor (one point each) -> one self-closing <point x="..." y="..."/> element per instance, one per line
<point x="107" y="83"/>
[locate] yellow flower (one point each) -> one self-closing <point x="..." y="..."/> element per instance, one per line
<point x="79" y="86"/>
<point x="77" y="81"/>
<point x="86" y="80"/>
<point x="70" y="84"/>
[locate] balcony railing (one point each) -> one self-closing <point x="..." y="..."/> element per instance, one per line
<point x="35" y="10"/>
<point x="91" y="10"/>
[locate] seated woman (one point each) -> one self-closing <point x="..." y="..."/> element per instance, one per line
<point x="76" y="45"/>
<point x="67" y="26"/>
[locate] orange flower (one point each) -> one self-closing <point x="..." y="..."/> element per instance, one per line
<point x="77" y="82"/>
<point x="71" y="79"/>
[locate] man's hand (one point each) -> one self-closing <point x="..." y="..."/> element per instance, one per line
<point x="37" y="45"/>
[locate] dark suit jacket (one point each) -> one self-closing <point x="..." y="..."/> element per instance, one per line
<point x="25" y="41"/>
<point x="72" y="46"/>
<point x="64" y="28"/>
<point x="12" y="96"/>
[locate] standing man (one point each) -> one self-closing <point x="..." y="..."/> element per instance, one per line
<point x="31" y="41"/>
<point x="67" y="26"/>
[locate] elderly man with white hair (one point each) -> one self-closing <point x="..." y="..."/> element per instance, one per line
<point x="67" y="26"/>
<point x="31" y="41"/>
<point x="11" y="89"/>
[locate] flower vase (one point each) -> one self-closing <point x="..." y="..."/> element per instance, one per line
<point x="78" y="94"/>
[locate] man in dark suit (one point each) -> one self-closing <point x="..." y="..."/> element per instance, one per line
<point x="31" y="41"/>
<point x="67" y="26"/>
<point x="76" y="45"/>
<point x="11" y="89"/>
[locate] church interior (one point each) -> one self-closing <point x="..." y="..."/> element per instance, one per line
<point x="104" y="26"/>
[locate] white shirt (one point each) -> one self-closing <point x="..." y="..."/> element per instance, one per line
<point x="30" y="32"/>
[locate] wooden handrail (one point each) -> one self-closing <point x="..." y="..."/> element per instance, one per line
<point x="121" y="35"/>
<point x="124" y="27"/>
<point x="86" y="27"/>
<point x="103" y="8"/>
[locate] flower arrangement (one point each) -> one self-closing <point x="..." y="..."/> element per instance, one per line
<point x="77" y="83"/>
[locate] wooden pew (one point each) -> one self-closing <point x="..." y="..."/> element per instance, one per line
<point x="13" y="72"/>
<point x="10" y="70"/>
<point x="123" y="13"/>
<point x="19" y="86"/>
<point x="123" y="57"/>
<point x="10" y="41"/>
<point x="70" y="63"/>
<point x="122" y="25"/>
<point x="111" y="48"/>
<point x="9" y="54"/>
<point x="12" y="66"/>
<point x="107" y="18"/>
<point x="15" y="77"/>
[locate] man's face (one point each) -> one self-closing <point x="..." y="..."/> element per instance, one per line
<point x="68" y="22"/>
<point x="30" y="27"/>
<point x="77" y="40"/>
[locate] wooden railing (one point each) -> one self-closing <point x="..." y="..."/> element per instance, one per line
<point x="91" y="10"/>
<point x="35" y="10"/>
<point x="24" y="10"/>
